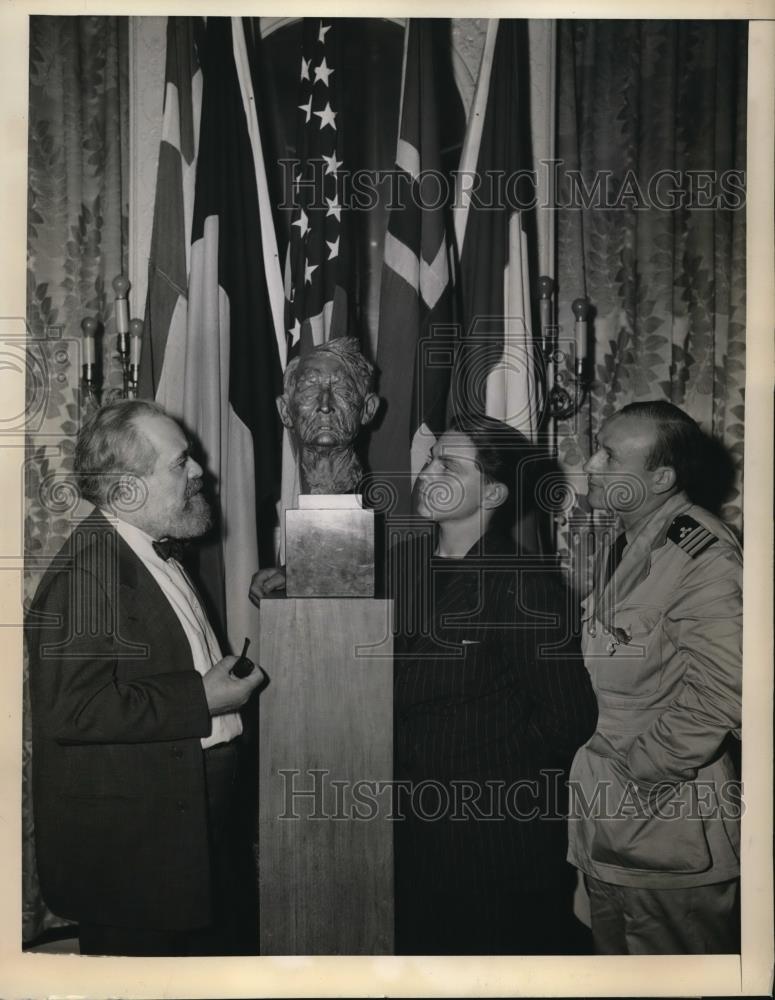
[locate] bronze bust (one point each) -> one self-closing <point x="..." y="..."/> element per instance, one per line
<point x="327" y="398"/>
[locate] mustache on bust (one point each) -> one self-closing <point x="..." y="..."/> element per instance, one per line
<point x="331" y="417"/>
<point x="344" y="421"/>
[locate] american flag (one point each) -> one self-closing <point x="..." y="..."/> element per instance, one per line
<point x="316" y="265"/>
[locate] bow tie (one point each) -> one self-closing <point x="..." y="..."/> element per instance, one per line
<point x="167" y="548"/>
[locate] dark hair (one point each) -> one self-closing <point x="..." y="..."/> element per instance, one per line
<point x="347" y="351"/>
<point x="505" y="456"/>
<point x="109" y="444"/>
<point x="679" y="442"/>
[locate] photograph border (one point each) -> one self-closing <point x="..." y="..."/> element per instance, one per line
<point x="750" y="974"/>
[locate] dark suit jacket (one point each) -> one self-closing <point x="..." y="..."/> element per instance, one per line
<point x="490" y="688"/>
<point x="118" y="711"/>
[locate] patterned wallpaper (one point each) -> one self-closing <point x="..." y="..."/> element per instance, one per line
<point x="77" y="244"/>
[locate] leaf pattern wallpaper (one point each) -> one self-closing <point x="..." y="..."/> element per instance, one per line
<point x="76" y="244"/>
<point x="655" y="112"/>
<point x="636" y="99"/>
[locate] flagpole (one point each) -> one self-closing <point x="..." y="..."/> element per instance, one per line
<point x="546" y="303"/>
<point x="543" y="106"/>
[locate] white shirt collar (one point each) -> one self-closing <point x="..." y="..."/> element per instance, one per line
<point x="138" y="540"/>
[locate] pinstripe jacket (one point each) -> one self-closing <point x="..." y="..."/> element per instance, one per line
<point x="491" y="702"/>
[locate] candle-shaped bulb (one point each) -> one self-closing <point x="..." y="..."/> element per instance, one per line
<point x="121" y="288"/>
<point x="135" y="341"/>
<point x="89" y="327"/>
<point x="545" y="286"/>
<point x="580" y="309"/>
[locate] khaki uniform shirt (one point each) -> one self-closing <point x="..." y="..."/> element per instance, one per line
<point x="654" y="800"/>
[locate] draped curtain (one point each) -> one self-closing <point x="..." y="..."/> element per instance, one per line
<point x="77" y="243"/>
<point x="655" y="112"/>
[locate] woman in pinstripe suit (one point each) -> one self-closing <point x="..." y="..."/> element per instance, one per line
<point x="491" y="702"/>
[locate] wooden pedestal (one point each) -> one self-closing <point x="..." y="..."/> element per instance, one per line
<point x="325" y="741"/>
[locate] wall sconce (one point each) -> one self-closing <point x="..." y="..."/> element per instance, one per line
<point x="129" y="338"/>
<point x="565" y="391"/>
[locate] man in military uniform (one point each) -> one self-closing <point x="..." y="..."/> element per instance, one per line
<point x="655" y="801"/>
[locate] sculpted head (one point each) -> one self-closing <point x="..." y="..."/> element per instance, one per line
<point x="134" y="461"/>
<point x="327" y="395"/>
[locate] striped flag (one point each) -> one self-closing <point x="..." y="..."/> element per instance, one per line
<point x="496" y="367"/>
<point x="415" y="346"/>
<point x="167" y="298"/>
<point x="317" y="262"/>
<point x="222" y="370"/>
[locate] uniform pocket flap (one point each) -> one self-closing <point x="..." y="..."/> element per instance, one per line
<point x="638" y="619"/>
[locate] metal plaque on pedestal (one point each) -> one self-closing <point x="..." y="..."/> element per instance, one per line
<point x="329" y="547"/>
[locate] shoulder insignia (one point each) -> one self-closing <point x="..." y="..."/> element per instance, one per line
<point x="690" y="535"/>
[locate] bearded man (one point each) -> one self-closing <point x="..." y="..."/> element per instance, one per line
<point x="134" y="709"/>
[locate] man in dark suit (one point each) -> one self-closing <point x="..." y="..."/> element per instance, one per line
<point x="134" y="710"/>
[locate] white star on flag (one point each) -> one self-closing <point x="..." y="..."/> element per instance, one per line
<point x="307" y="108"/>
<point x="334" y="208"/>
<point x="305" y="68"/>
<point x="302" y="222"/>
<point x="327" y="116"/>
<point x="318" y="249"/>
<point x="332" y="164"/>
<point x="322" y="72"/>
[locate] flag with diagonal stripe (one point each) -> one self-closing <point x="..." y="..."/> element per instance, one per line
<point x="415" y="340"/>
<point x="167" y="297"/>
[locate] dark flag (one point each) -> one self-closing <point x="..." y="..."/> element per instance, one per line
<point x="414" y="347"/>
<point x="317" y="262"/>
<point x="222" y="373"/>
<point x="496" y="367"/>
<point x="316" y="266"/>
